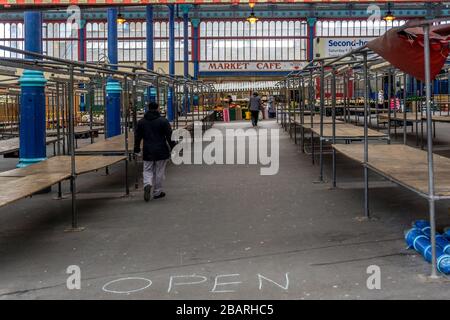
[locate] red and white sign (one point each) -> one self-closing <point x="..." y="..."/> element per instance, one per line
<point x="250" y="66"/>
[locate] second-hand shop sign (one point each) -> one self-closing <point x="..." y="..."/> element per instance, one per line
<point x="249" y="66"/>
<point x="331" y="47"/>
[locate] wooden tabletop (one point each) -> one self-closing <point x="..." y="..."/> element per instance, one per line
<point x="405" y="165"/>
<point x="22" y="182"/>
<point x="111" y="145"/>
<point x="316" y="120"/>
<point x="62" y="164"/>
<point x="438" y="118"/>
<point x="13" y="144"/>
<point x="345" y="130"/>
<point x="411" y="116"/>
<point x="77" y="130"/>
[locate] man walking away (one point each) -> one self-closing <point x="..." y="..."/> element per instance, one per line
<point x="255" y="106"/>
<point x="156" y="133"/>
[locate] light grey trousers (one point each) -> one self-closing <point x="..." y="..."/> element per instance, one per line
<point x="154" y="175"/>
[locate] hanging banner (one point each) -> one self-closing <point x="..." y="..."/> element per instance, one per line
<point x="250" y="66"/>
<point x="330" y="47"/>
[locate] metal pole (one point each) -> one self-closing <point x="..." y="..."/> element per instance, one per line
<point x="416" y="113"/>
<point x="72" y="150"/>
<point x="58" y="120"/>
<point x="366" y="140"/>
<point x="333" y="114"/>
<point x="376" y="101"/>
<point x="125" y="106"/>
<point x="64" y="117"/>
<point x="404" y="108"/>
<point x="302" y="116"/>
<point x="322" y="105"/>
<point x="431" y="199"/>
<point x="312" y="107"/>
<point x="58" y="133"/>
<point x="395" y="104"/>
<point x="345" y="98"/>
<point x="389" y="101"/>
<point x="91" y="98"/>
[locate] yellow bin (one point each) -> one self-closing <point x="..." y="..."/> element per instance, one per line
<point x="248" y="115"/>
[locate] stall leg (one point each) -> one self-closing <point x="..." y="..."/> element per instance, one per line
<point x="127" y="187"/>
<point x="302" y="132"/>
<point x="321" y="159"/>
<point x="366" y="193"/>
<point x="334" y="168"/>
<point x="431" y="204"/>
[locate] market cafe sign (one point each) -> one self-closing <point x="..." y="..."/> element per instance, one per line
<point x="249" y="66"/>
<point x="329" y="47"/>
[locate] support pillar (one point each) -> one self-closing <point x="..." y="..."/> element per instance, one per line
<point x="311" y="32"/>
<point x="113" y="89"/>
<point x="170" y="104"/>
<point x="32" y="131"/>
<point x="195" y="46"/>
<point x="185" y="8"/>
<point x="151" y="91"/>
<point x="82" y="58"/>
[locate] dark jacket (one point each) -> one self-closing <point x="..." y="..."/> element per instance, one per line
<point x="156" y="133"/>
<point x="255" y="103"/>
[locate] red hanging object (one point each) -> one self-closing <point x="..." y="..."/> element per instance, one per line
<point x="403" y="48"/>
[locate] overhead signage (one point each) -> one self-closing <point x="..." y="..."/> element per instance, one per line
<point x="329" y="47"/>
<point x="232" y="66"/>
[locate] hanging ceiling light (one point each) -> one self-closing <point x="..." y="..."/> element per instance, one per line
<point x="252" y="18"/>
<point x="389" y="15"/>
<point x="120" y="18"/>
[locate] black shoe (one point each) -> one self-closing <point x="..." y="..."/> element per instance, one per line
<point x="147" y="193"/>
<point x="161" y="195"/>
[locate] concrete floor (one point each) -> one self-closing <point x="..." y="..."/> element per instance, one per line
<point x="219" y="224"/>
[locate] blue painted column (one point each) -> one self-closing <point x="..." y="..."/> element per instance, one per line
<point x="311" y="33"/>
<point x="151" y="91"/>
<point x="82" y="57"/>
<point x="195" y="46"/>
<point x="436" y="86"/>
<point x="448" y="82"/>
<point x="185" y="8"/>
<point x="170" y="111"/>
<point x="113" y="89"/>
<point x="409" y="81"/>
<point x="32" y="131"/>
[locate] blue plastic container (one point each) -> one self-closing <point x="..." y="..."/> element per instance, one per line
<point x="441" y="240"/>
<point x="421" y="243"/>
<point x="447" y="233"/>
<point x="420" y="224"/>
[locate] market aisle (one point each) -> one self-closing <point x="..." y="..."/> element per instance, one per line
<point x="225" y="229"/>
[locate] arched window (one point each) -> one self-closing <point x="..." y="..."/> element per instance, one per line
<point x="240" y="31"/>
<point x="228" y="28"/>
<point x="357" y="28"/>
<point x="344" y="28"/>
<point x="338" y="28"/>
<point x="319" y="32"/>
<point x="331" y="28"/>
<point x="234" y="29"/>
<point x="215" y="28"/>
<point x="370" y="28"/>
<point x="325" y="32"/>
<point x="272" y="29"/>
<point x="351" y="28"/>
<point x="364" y="28"/>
